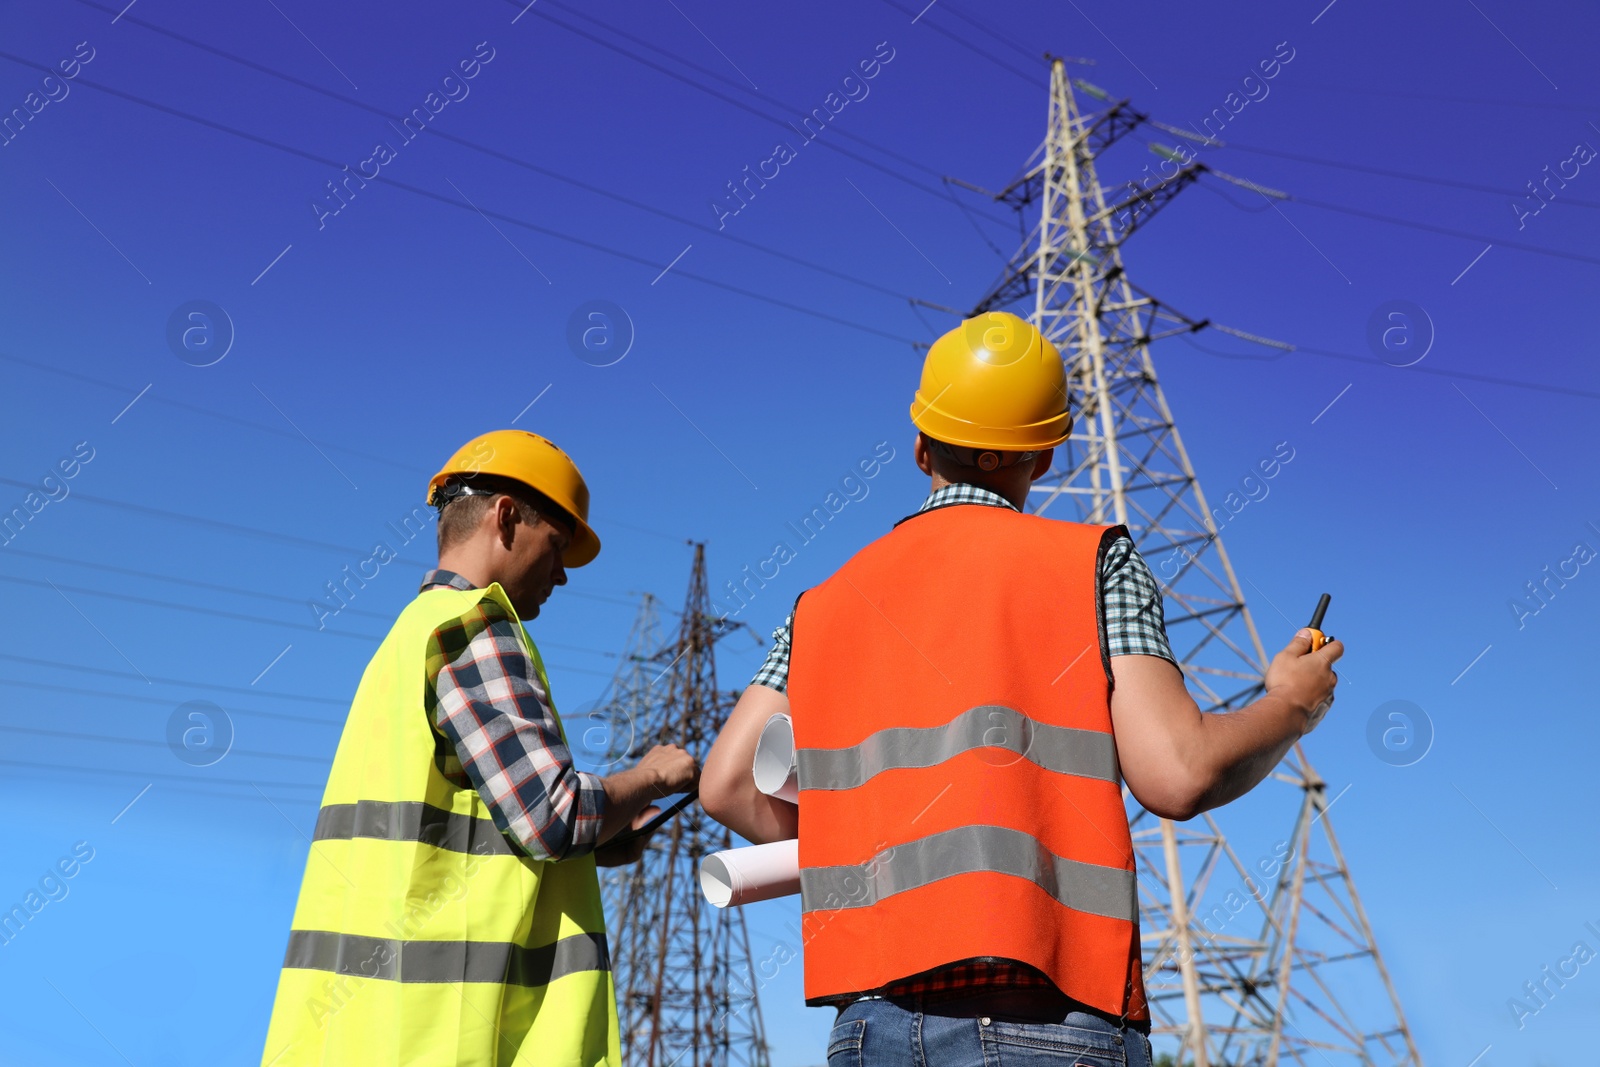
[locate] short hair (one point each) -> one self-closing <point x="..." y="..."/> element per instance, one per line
<point x="960" y="463"/>
<point x="460" y="512"/>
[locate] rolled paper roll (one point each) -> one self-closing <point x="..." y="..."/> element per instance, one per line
<point x="775" y="771"/>
<point x="746" y="875"/>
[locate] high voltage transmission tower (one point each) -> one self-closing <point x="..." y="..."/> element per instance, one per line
<point x="686" y="992"/>
<point x="1309" y="986"/>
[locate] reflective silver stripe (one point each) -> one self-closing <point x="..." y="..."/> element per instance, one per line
<point x="1086" y="887"/>
<point x="1085" y="753"/>
<point x="411" y="820"/>
<point x="445" y="961"/>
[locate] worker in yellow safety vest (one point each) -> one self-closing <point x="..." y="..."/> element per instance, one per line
<point x="968" y="694"/>
<point x="450" y="909"/>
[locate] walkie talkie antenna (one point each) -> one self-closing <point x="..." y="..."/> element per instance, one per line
<point x="1318" y="638"/>
<point x="1322" y="609"/>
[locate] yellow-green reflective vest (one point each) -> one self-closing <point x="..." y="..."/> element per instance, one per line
<point x="422" y="936"/>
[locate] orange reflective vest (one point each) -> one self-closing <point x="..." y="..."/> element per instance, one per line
<point x="959" y="791"/>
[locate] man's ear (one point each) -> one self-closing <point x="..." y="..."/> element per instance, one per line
<point x="1041" y="464"/>
<point x="506" y="516"/>
<point x="919" y="452"/>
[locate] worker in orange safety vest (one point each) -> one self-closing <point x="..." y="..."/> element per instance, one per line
<point x="969" y="693"/>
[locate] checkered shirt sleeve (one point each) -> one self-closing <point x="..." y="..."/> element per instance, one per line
<point x="495" y="714"/>
<point x="1136" y="623"/>
<point x="774" y="671"/>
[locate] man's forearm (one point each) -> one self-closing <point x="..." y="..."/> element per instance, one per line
<point x="1241" y="748"/>
<point x="1179" y="761"/>
<point x="627" y="794"/>
<point x="728" y="789"/>
<point x="755" y="816"/>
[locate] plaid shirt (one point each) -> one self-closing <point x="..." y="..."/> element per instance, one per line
<point x="1135" y="626"/>
<point x="487" y="702"/>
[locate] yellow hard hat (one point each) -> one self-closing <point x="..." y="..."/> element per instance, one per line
<point x="994" y="382"/>
<point x="537" y="463"/>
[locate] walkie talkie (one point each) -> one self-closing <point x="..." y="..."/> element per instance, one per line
<point x="1318" y="638"/>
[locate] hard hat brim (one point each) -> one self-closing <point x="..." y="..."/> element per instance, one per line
<point x="585" y="545"/>
<point x="942" y="426"/>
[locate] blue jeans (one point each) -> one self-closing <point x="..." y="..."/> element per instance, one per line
<point x="880" y="1033"/>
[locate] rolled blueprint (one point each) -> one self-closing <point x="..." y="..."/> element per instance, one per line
<point x="746" y="875"/>
<point x="775" y="771"/>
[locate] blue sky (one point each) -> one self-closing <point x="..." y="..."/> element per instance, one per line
<point x="581" y="162"/>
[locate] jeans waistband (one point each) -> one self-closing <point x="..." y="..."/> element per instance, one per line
<point x="1024" y="1005"/>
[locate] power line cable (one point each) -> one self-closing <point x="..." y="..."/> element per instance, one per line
<point x="745" y="107"/>
<point x="100" y="694"/>
<point x="276" y="431"/>
<point x="1025" y="53"/>
<point x="745" y="88"/>
<point x="217" y="524"/>
<point x="1346" y="90"/>
<point x="254" y="795"/>
<point x="73" y="735"/>
<point x="168" y="703"/>
<point x="210" y="413"/>
<point x="119" y="772"/>
<point x="1449" y="183"/>
<point x="234" y="591"/>
<point x="191" y="583"/>
<point x="1446" y="231"/>
<point x="185" y="683"/>
<point x="577" y="183"/>
<point x="1431" y="228"/>
<point x="923" y="319"/>
<point x="1587" y="109"/>
<point x="196" y="609"/>
<point x="875" y="146"/>
<point x="1223" y="194"/>
<point x="193" y="609"/>
<point x="954" y="199"/>
<point x="238" y="796"/>
<point x="1188" y="339"/>
<point x="1442" y="372"/>
<point x="466" y="206"/>
<point x="1034" y="82"/>
<point x="249" y="531"/>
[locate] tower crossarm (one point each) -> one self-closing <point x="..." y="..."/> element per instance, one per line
<point x="1111" y="125"/>
<point x="1097" y="133"/>
<point x="1097" y="255"/>
<point x="1117" y="222"/>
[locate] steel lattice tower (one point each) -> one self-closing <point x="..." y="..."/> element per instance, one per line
<point x="1308" y="986"/>
<point x="685" y="988"/>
